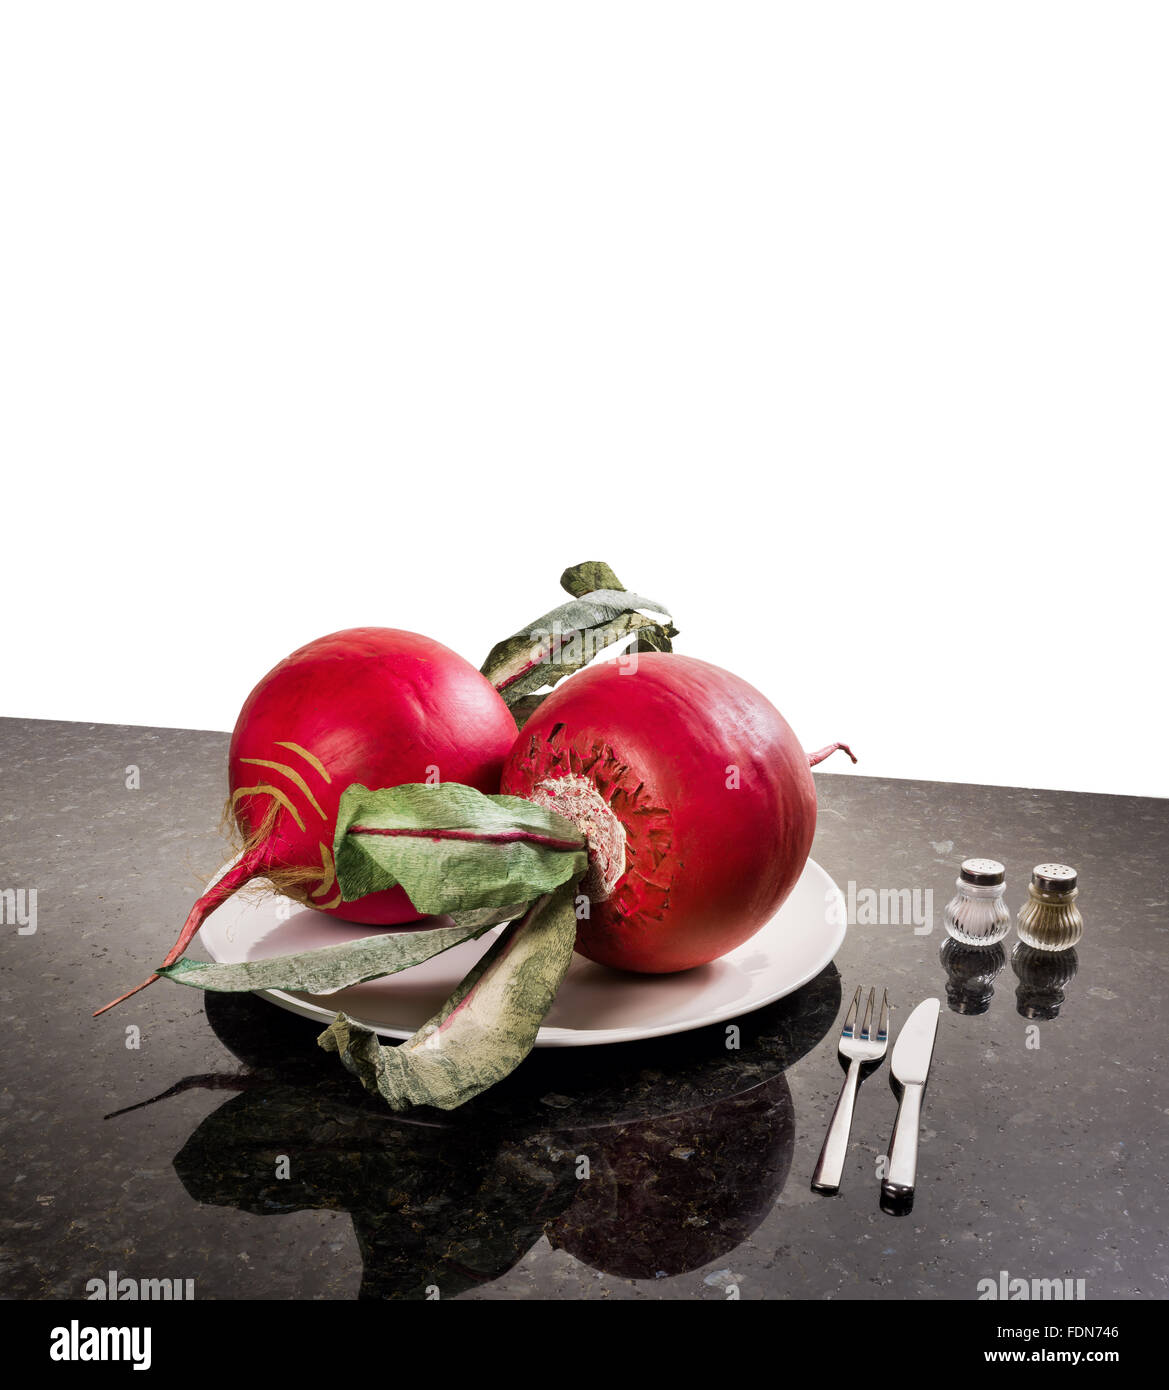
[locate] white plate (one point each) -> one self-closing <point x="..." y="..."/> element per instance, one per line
<point x="594" y="1005"/>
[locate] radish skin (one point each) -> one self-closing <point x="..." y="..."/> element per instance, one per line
<point x="371" y="705"/>
<point x="710" y="787"/>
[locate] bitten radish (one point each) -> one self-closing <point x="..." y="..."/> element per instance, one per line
<point x="367" y="705"/>
<point x="694" y="794"/>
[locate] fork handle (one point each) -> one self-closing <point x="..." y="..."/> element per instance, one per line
<point x="830" y="1164"/>
<point x="901" y="1174"/>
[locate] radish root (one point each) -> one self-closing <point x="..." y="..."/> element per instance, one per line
<point x="252" y="859"/>
<point x="245" y="869"/>
<point x="821" y="754"/>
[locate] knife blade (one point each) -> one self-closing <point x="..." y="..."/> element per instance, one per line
<point x="908" y="1072"/>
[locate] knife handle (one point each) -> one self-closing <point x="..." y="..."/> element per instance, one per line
<point x="901" y="1175"/>
<point x="830" y="1164"/>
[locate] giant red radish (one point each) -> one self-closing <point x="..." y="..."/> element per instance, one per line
<point x="695" y="795"/>
<point x="372" y="705"/>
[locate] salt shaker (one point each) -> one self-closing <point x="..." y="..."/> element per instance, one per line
<point x="1050" y="920"/>
<point x="977" y="914"/>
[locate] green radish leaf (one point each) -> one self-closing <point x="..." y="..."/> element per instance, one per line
<point x="655" y="638"/>
<point x="331" y="968"/>
<point x="567" y="639"/>
<point x="484" y="1030"/>
<point x="588" y="577"/>
<point x="451" y="847"/>
<point x="523" y="708"/>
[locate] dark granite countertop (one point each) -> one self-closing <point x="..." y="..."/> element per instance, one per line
<point x="1043" y="1149"/>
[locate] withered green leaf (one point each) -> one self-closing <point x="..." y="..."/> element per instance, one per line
<point x="451" y="847"/>
<point x="567" y="639"/>
<point x="484" y="1030"/>
<point x="588" y="577"/>
<point x="330" y="968"/>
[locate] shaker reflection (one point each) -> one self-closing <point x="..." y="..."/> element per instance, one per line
<point x="1043" y="979"/>
<point x="970" y="974"/>
<point x="688" y="1144"/>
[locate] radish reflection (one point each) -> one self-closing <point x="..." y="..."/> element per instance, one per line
<point x="688" y="1147"/>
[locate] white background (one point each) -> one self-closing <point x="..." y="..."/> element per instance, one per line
<point x="841" y="328"/>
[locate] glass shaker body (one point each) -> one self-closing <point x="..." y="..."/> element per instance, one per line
<point x="1050" y="920"/>
<point x="977" y="914"/>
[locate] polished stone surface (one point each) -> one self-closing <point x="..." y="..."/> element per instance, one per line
<point x="1044" y="1146"/>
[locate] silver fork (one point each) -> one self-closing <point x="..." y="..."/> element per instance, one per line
<point x="861" y="1052"/>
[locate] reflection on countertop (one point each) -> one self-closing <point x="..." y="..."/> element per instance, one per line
<point x="1043" y="979"/>
<point x="970" y="974"/>
<point x="638" y="1170"/>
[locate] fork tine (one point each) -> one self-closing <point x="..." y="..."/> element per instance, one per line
<point x="868" y="1015"/>
<point x="883" y="1025"/>
<point x="850" y="1021"/>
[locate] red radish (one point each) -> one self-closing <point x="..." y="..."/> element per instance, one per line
<point x="372" y="705"/>
<point x="697" y="800"/>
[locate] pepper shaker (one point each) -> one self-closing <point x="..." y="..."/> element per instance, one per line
<point x="1050" y="920"/>
<point x="977" y="914"/>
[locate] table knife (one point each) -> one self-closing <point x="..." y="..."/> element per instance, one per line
<point x="908" y="1071"/>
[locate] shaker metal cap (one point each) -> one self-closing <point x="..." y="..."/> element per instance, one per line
<point x="1054" y="878"/>
<point x="983" y="871"/>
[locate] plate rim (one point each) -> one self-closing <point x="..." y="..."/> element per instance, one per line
<point x="597" y="1037"/>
